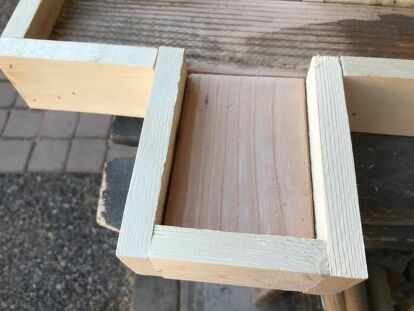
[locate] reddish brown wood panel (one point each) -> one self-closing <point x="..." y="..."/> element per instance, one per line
<point x="242" y="160"/>
<point x="261" y="33"/>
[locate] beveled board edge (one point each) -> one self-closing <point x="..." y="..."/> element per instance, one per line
<point x="377" y="67"/>
<point x="82" y="52"/>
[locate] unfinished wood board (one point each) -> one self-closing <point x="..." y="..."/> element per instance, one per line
<point x="396" y="3"/>
<point x="335" y="194"/>
<point x="287" y="263"/>
<point x="33" y="19"/>
<point x="379" y="95"/>
<point x="85" y="77"/>
<point x="282" y="34"/>
<point x="149" y="182"/>
<point x="242" y="160"/>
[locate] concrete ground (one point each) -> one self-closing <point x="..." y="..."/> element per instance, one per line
<point x="53" y="255"/>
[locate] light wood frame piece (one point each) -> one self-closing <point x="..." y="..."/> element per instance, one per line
<point x="72" y="76"/>
<point x="336" y="86"/>
<point x="332" y="262"/>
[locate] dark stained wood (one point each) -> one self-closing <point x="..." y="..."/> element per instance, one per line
<point x="259" y="34"/>
<point x="385" y="176"/>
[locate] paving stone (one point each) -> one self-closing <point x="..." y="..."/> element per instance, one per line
<point x="7" y="95"/>
<point x="20" y="103"/>
<point x="93" y="125"/>
<point x="155" y="294"/>
<point x="24" y="123"/>
<point x="3" y="118"/>
<point x="86" y="155"/>
<point x="195" y="296"/>
<point x="14" y="155"/>
<point x="59" y="124"/>
<point x="121" y="151"/>
<point x="49" y="156"/>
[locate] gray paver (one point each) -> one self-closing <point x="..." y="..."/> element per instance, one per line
<point x="93" y="125"/>
<point x="7" y="95"/>
<point x="59" y="124"/>
<point x="197" y="296"/>
<point x="121" y="151"/>
<point x="24" y="123"/>
<point x="155" y="294"/>
<point x="14" y="155"/>
<point x="20" y="103"/>
<point x="49" y="156"/>
<point x="86" y="155"/>
<point x="3" y="118"/>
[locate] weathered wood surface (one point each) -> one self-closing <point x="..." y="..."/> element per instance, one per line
<point x="279" y="34"/>
<point x="385" y="175"/>
<point x="242" y="161"/>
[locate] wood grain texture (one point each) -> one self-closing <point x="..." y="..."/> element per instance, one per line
<point x="379" y="95"/>
<point x="335" y="195"/>
<point x="396" y="3"/>
<point x="356" y="298"/>
<point x="266" y="34"/>
<point x="85" y="77"/>
<point x="33" y="19"/>
<point x="232" y="258"/>
<point x="334" y="302"/>
<point x="148" y="187"/>
<point x="242" y="161"/>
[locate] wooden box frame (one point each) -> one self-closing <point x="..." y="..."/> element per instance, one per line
<point x="332" y="262"/>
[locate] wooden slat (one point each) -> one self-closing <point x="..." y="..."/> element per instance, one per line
<point x="242" y="161"/>
<point x="335" y="195"/>
<point x="33" y="19"/>
<point x="379" y="95"/>
<point x="396" y="3"/>
<point x="334" y="302"/>
<point x="148" y="187"/>
<point x="266" y="34"/>
<point x="232" y="258"/>
<point x="85" y="77"/>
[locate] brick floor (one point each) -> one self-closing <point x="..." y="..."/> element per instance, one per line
<point x="24" y="124"/>
<point x="49" y="156"/>
<point x="14" y="155"/>
<point x="86" y="155"/>
<point x="52" y="141"/>
<point x="7" y="95"/>
<point x="59" y="124"/>
<point x="93" y="125"/>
